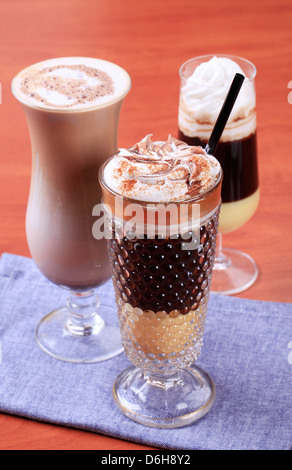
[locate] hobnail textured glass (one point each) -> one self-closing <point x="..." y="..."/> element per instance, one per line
<point x="161" y="342"/>
<point x="162" y="295"/>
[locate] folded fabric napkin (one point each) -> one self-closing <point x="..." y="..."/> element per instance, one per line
<point x="246" y="352"/>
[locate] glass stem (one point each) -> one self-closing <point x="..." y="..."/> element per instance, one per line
<point x="163" y="381"/>
<point x="221" y="261"/>
<point x="83" y="317"/>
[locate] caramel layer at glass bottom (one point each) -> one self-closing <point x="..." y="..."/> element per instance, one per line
<point x="162" y="340"/>
<point x="235" y="214"/>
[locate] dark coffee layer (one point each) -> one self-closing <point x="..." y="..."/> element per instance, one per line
<point x="238" y="160"/>
<point x="159" y="275"/>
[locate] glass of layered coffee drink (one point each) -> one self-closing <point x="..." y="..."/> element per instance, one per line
<point x="204" y="82"/>
<point x="72" y="109"/>
<point x="162" y="201"/>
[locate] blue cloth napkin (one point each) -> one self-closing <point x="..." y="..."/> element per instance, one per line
<point x="246" y="351"/>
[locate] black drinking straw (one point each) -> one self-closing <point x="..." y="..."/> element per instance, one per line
<point x="224" y="113"/>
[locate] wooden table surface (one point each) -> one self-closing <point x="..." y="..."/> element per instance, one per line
<point x="151" y="39"/>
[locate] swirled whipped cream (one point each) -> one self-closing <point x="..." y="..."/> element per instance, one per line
<point x="161" y="171"/>
<point x="202" y="96"/>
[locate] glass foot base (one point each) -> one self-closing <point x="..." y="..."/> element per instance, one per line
<point x="70" y="343"/>
<point x="236" y="273"/>
<point x="169" y="402"/>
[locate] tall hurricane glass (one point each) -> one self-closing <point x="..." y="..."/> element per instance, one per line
<point x="72" y="110"/>
<point x="204" y="82"/>
<point x="162" y="290"/>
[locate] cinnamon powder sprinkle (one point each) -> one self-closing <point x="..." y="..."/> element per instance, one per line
<point x="172" y="169"/>
<point x="128" y="185"/>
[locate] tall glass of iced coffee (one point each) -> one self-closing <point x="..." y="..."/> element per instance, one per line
<point x="204" y="83"/>
<point x="72" y="109"/>
<point x="162" y="202"/>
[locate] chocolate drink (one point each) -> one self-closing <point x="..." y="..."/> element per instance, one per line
<point x="72" y="108"/>
<point x="161" y="283"/>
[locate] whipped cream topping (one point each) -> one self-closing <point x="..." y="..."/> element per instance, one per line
<point x="71" y="83"/>
<point x="202" y="97"/>
<point x="161" y="171"/>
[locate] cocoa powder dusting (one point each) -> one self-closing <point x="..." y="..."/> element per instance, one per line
<point x="128" y="185"/>
<point x="75" y="89"/>
<point x="172" y="163"/>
